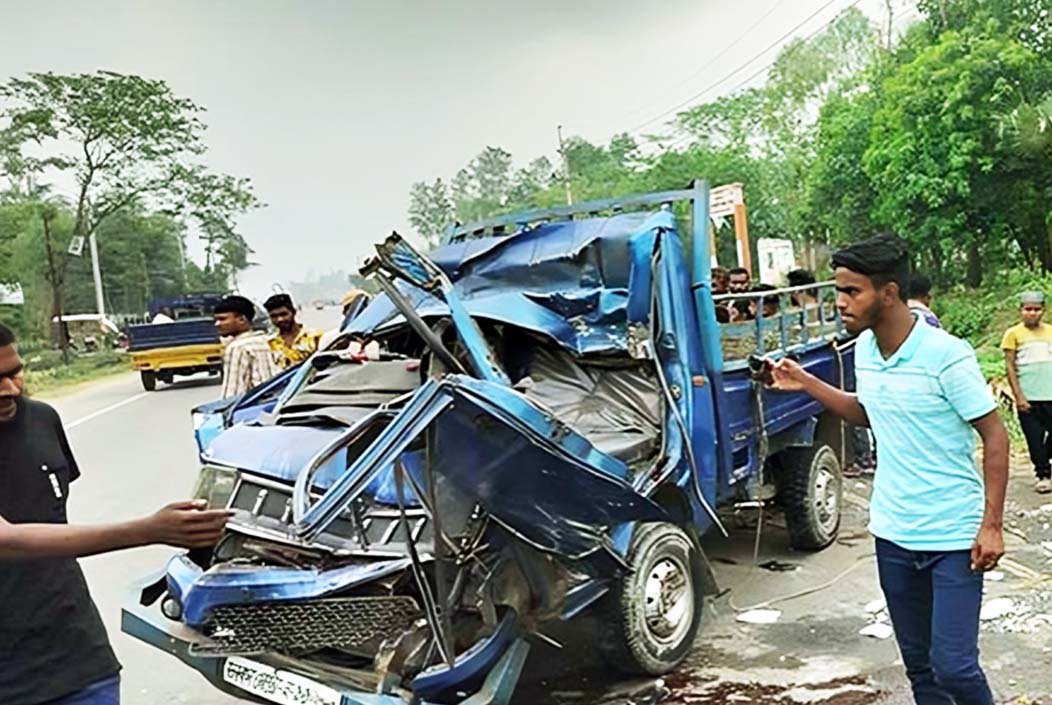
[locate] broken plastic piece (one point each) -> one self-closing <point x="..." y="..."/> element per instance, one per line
<point x="877" y="630"/>
<point x="760" y="616"/>
<point x="874" y="606"/>
<point x="997" y="608"/>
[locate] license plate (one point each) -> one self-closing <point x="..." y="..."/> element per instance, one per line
<point x="277" y="686"/>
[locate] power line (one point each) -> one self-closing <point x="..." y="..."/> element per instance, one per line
<point x="719" y="55"/>
<point x="767" y="67"/>
<point x="740" y="68"/>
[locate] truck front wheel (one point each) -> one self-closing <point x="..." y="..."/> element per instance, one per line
<point x="812" y="494"/>
<point x="149" y="380"/>
<point x="649" y="621"/>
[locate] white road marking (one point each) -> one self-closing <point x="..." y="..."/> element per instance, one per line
<point x="96" y="414"/>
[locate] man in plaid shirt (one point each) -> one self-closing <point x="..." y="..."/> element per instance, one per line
<point x="247" y="360"/>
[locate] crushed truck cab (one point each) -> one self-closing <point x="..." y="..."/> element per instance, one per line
<point x="550" y="427"/>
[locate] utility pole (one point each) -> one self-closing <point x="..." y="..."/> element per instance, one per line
<point x="566" y="165"/>
<point x="96" y="274"/>
<point x="891" y="17"/>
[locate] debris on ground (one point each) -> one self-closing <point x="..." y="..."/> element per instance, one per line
<point x="875" y="606"/>
<point x="760" y="616"/>
<point x="996" y="609"/>
<point x="877" y="630"/>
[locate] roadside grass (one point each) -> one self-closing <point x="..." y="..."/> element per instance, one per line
<point x="45" y="371"/>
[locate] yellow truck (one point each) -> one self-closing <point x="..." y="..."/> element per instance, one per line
<point x="181" y="340"/>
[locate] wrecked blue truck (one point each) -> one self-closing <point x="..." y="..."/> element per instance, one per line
<point x="548" y="429"/>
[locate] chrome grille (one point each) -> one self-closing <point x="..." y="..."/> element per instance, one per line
<point x="354" y="624"/>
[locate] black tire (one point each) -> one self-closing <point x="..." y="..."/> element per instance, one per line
<point x="149" y="380"/>
<point x="649" y="632"/>
<point x="812" y="494"/>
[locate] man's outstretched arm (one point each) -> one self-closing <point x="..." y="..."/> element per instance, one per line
<point x="790" y="376"/>
<point x="182" y="524"/>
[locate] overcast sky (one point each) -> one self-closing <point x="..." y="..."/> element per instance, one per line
<point x="335" y="108"/>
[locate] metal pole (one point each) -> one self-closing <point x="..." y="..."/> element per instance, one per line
<point x="566" y="165"/>
<point x="96" y="273"/>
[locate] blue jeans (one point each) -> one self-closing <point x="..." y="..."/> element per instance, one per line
<point x="934" y="599"/>
<point x="104" y="692"/>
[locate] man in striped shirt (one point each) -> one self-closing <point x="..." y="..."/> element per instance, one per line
<point x="248" y="360"/>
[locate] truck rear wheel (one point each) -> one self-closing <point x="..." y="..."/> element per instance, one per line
<point x="649" y="620"/>
<point x="149" y="380"/>
<point x="812" y="494"/>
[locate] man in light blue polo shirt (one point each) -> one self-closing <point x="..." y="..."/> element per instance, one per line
<point x="937" y="521"/>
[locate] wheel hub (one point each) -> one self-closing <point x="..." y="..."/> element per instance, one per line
<point x="827" y="497"/>
<point x="669" y="603"/>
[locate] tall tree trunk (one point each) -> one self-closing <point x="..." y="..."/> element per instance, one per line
<point x="974" y="276"/>
<point x="1046" y="252"/>
<point x="890" y="26"/>
<point x="938" y="271"/>
<point x="55" y="279"/>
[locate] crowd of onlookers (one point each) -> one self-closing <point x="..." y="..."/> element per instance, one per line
<point x="1027" y="348"/>
<point x="803" y="294"/>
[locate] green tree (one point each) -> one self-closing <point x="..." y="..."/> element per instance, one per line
<point x="1027" y="21"/>
<point x="840" y="195"/>
<point x="430" y="210"/>
<point x="124" y="140"/>
<point x="935" y="159"/>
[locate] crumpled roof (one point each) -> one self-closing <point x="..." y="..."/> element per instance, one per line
<point x="581" y="282"/>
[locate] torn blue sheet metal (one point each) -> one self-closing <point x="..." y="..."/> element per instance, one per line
<point x="468" y="672"/>
<point x="495" y="447"/>
<point x="199" y="591"/>
<point x="397" y="259"/>
<point x="581" y="282"/>
<point x="276" y="451"/>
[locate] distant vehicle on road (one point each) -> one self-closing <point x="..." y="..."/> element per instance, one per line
<point x="186" y="346"/>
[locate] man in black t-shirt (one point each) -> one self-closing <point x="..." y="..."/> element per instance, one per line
<point x="53" y="646"/>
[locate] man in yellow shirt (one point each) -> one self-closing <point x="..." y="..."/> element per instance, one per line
<point x="294" y="342"/>
<point x="1028" y="357"/>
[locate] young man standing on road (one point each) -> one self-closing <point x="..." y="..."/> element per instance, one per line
<point x="937" y="522"/>
<point x="1028" y="358"/>
<point x="247" y="359"/>
<point x="294" y="342"/>
<point x="54" y="649"/>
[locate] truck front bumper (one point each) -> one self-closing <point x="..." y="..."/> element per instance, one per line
<point x="148" y="624"/>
